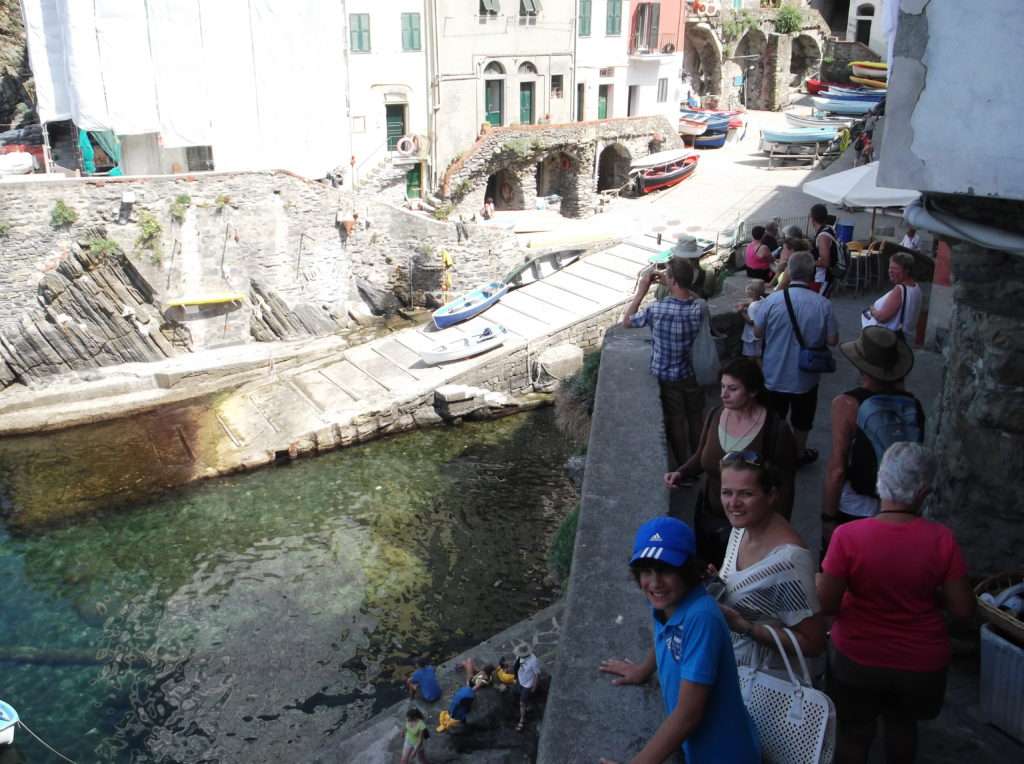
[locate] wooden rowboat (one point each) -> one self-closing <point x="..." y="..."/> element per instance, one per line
<point x="861" y="69"/>
<point x="688" y="126"/>
<point x="464" y="347"/>
<point x="663" y="169"/>
<point x="709" y="141"/>
<point x="800" y="135"/>
<point x="541" y="266"/>
<point x="851" y="108"/>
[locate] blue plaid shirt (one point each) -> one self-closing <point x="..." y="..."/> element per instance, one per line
<point x="674" y="325"/>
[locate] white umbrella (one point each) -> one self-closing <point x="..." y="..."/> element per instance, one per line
<point x="858" y="187"/>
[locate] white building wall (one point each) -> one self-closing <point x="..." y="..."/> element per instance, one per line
<point x="878" y="42"/>
<point x="598" y="51"/>
<point x="387" y="74"/>
<point x="466" y="44"/>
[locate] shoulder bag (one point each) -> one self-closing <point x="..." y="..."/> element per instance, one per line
<point x="812" y="360"/>
<point x="703" y="352"/>
<point x="796" y="723"/>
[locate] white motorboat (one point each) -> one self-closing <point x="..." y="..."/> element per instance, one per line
<point x="455" y="350"/>
<point x="8" y="721"/>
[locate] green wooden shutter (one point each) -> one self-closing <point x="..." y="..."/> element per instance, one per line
<point x="585" y="18"/>
<point x="395" y="117"/>
<point x="413" y="186"/>
<point x="359" y="31"/>
<point x="602" y="102"/>
<point x="614" y="25"/>
<point x="411" y="39"/>
<point x="493" y="95"/>
<point x="526" y="103"/>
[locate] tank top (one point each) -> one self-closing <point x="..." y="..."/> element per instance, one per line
<point x="905" y="319"/>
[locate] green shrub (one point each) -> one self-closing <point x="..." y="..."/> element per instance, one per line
<point x="179" y="207"/>
<point x="788" y="20"/>
<point x="560" y="557"/>
<point x="442" y="212"/>
<point x="462" y="189"/>
<point x="62" y="216"/>
<point x="101" y="247"/>
<point x="149" y="235"/>
<point x="736" y="24"/>
<point x="574" y="401"/>
<point x="5" y="230"/>
<point x="222" y="201"/>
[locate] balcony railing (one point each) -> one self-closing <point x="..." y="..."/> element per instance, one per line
<point x="652" y="44"/>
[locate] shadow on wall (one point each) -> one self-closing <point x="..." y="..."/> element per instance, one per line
<point x="613" y="167"/>
<point x="506" y="191"/>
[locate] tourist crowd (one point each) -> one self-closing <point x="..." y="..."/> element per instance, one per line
<point x="740" y="596"/>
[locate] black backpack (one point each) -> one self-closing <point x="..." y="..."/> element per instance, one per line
<point x="840" y="253"/>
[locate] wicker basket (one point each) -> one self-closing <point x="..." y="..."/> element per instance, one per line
<point x="1001" y="620"/>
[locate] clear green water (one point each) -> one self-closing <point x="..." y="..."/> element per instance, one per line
<point x="260" y="617"/>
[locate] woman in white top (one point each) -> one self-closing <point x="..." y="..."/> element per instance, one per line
<point x="897" y="309"/>
<point x="768" y="571"/>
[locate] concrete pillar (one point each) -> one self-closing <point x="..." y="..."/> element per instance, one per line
<point x="776" y="76"/>
<point x="979" y="436"/>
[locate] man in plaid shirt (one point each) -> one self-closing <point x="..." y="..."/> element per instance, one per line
<point x="674" y="321"/>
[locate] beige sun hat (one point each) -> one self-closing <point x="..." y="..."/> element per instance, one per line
<point x="880" y="353"/>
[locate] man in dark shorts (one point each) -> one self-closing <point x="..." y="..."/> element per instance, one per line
<point x="792" y="392"/>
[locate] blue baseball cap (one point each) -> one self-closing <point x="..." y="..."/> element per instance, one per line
<point x="664" y="539"/>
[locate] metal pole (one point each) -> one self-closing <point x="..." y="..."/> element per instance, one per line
<point x="47" y="159"/>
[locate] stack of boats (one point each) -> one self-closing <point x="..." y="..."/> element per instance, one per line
<point x="837" y="107"/>
<point x="709" y="129"/>
<point x="871" y="74"/>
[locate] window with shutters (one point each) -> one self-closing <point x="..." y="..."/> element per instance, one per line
<point x="584" y="22"/>
<point x="411" y="38"/>
<point x="663" y="90"/>
<point x="489" y="8"/>
<point x="613" y="25"/>
<point x="528" y="12"/>
<point x="359" y="32"/>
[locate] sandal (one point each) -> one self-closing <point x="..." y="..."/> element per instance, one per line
<point x="807" y="456"/>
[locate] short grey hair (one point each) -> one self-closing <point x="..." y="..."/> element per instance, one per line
<point x="906" y="468"/>
<point x="793" y="232"/>
<point x="801" y="267"/>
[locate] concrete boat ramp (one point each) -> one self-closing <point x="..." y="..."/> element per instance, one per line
<point x="244" y="406"/>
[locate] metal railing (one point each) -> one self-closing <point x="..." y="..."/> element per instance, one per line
<point x="650" y="43"/>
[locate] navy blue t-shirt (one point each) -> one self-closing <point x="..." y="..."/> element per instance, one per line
<point x="462" y="701"/>
<point x="426" y="680"/>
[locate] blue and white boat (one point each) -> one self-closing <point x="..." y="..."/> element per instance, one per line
<point x="826" y="93"/>
<point x="717" y="122"/>
<point x="800" y="120"/>
<point x="800" y="135"/>
<point x="464" y="347"/>
<point x="8" y="721"/>
<point x="709" y="141"/>
<point x="470" y="304"/>
<point x="874" y="96"/>
<point x="855" y="108"/>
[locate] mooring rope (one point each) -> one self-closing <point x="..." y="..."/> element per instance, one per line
<point x="46" y="745"/>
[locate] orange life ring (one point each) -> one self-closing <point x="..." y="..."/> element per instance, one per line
<point x="506" y="191"/>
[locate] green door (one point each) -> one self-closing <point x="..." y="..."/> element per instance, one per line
<point x="396" y="124"/>
<point x="493" y="94"/>
<point x="526" y="103"/>
<point x="602" y="102"/>
<point x="413" y="188"/>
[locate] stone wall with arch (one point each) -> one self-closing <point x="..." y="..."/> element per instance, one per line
<point x="702" y="59"/>
<point x="541" y="160"/>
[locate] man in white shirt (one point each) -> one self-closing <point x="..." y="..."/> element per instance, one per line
<point x="911" y="240"/>
<point x="527" y="669"/>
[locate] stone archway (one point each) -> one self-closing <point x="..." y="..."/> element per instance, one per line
<point x="613" y="167"/>
<point x="506" y="190"/>
<point x="749" y="57"/>
<point x="804" y="59"/>
<point x="702" y="59"/>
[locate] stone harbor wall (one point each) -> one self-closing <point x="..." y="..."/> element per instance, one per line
<point x="841" y="53"/>
<point x="979" y="437"/>
<point x="564" y="160"/>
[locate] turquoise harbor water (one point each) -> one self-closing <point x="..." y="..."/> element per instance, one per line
<point x="260" y="617"/>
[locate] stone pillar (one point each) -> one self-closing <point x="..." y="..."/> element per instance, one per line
<point x="776" y="72"/>
<point x="979" y="438"/>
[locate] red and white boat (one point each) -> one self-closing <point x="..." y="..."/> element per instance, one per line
<point x="664" y="169"/>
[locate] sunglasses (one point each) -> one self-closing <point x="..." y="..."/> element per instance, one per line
<point x="751" y="458"/>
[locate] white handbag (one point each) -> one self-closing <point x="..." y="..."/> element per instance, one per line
<point x="703" y="352"/>
<point x="796" y="723"/>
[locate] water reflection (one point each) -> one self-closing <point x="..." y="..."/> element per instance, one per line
<point x="252" y="617"/>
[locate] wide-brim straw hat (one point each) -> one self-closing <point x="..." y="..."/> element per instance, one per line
<point x="686" y="247"/>
<point x="522" y="650"/>
<point x="880" y="353"/>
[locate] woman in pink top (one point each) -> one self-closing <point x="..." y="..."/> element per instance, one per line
<point x="890" y="648"/>
<point x="758" y="257"/>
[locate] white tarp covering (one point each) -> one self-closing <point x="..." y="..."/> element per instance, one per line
<point x="260" y="81"/>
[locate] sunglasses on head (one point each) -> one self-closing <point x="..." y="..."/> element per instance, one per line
<point x="746" y="457"/>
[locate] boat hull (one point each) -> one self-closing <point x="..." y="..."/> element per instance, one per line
<point x="800" y="135"/>
<point x="709" y="141"/>
<point x="859" y="70"/>
<point x="871" y="83"/>
<point x="654" y="181"/>
<point x="470" y="304"/>
<point x="541" y="267"/>
<point x="467" y="347"/>
<point x="800" y="121"/>
<point x="692" y="127"/>
<point x="852" y="108"/>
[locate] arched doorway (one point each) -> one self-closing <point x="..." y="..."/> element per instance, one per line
<point x="494" y="94"/>
<point x="613" y="167"/>
<point x="558" y="174"/>
<point x="804" y="59"/>
<point x="865" y="15"/>
<point x="506" y="190"/>
<point x="702" y="60"/>
<point x="749" y="56"/>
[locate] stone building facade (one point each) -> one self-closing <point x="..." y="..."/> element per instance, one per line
<point x="575" y="161"/>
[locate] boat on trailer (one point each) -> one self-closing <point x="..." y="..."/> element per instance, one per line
<point x="541" y="266"/>
<point x="465" y="347"/>
<point x="664" y="169"/>
<point x="800" y="135"/>
<point x="472" y="303"/>
<point x="801" y="120"/>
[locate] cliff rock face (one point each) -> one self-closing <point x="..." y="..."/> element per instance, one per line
<point x="16" y="90"/>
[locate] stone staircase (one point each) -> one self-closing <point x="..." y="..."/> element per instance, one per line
<point x="387" y="180"/>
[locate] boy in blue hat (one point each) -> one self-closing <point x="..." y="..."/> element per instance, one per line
<point x="692" y="653"/>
